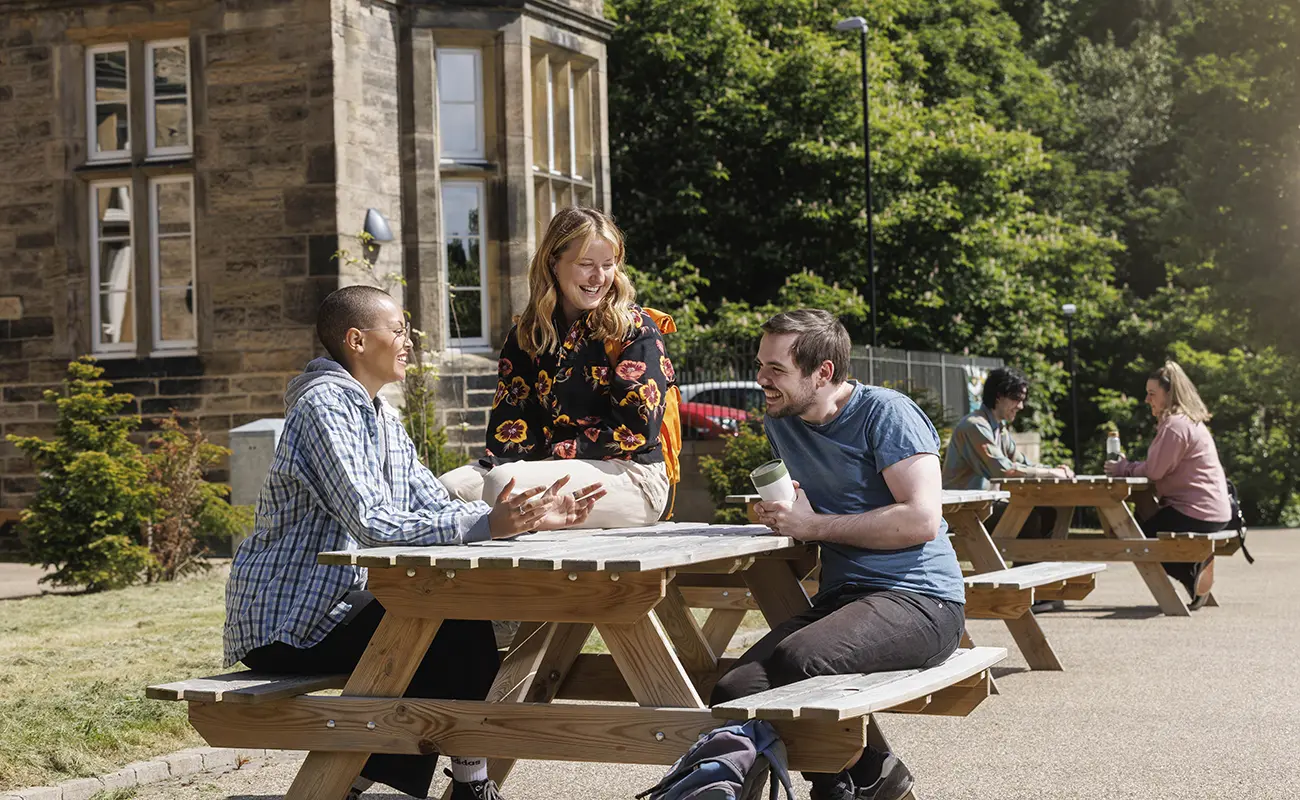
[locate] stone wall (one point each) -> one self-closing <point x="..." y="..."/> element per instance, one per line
<point x="264" y="177"/>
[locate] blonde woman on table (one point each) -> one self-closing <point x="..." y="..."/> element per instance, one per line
<point x="1184" y="465"/>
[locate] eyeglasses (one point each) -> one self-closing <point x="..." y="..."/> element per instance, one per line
<point x="403" y="332"/>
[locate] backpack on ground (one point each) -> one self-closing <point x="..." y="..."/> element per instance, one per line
<point x="1238" y="522"/>
<point x="670" y="430"/>
<point x="732" y="762"/>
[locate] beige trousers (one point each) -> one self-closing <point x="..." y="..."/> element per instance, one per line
<point x="635" y="494"/>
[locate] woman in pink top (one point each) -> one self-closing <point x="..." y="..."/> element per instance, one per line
<point x="1184" y="465"/>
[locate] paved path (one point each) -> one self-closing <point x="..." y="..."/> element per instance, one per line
<point x="1149" y="707"/>
<point x="21" y="580"/>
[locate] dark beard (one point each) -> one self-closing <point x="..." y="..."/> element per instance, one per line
<point x="795" y="406"/>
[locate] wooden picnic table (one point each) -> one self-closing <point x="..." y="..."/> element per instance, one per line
<point x="560" y="585"/>
<point x="999" y="593"/>
<point x="1123" y="540"/>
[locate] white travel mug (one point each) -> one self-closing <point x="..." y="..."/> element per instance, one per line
<point x="772" y="480"/>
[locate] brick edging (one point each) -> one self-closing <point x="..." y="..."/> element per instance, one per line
<point x="192" y="761"/>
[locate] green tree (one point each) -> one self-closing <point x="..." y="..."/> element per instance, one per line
<point x="94" y="498"/>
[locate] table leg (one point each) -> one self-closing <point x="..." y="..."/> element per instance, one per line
<point x="1064" y="514"/>
<point x="1119" y="523"/>
<point x="385" y="670"/>
<point x="777" y="590"/>
<point x="1013" y="519"/>
<point x="721" y="627"/>
<point x="645" y="657"/>
<point x="984" y="557"/>
<point x="675" y="616"/>
<point x="532" y="672"/>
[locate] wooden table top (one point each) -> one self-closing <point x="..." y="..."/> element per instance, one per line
<point x="1098" y="480"/>
<point x="666" y="545"/>
<point x="953" y="499"/>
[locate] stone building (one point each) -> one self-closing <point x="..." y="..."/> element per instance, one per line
<point x="177" y="175"/>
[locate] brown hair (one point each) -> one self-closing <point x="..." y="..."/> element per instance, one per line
<point x="613" y="319"/>
<point x="819" y="338"/>
<point x="1183" y="397"/>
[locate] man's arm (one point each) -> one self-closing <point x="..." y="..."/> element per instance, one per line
<point x="911" y="520"/>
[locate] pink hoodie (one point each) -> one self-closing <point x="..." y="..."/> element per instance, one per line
<point x="1184" y="465"/>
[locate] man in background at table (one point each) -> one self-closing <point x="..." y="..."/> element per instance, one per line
<point x="981" y="450"/>
<point x="346" y="476"/>
<point x="866" y="469"/>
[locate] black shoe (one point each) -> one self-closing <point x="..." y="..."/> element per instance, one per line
<point x="894" y="783"/>
<point x="1047" y="605"/>
<point x="826" y="786"/>
<point x="473" y="790"/>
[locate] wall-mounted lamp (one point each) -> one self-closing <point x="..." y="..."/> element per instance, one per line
<point x="377" y="226"/>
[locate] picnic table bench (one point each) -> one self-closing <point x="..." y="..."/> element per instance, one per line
<point x="993" y="591"/>
<point x="622" y="583"/>
<point x="1122" y="539"/>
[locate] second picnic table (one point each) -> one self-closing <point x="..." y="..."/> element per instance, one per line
<point x="1123" y="540"/>
<point x="992" y="590"/>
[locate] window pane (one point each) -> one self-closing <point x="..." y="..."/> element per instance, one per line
<point x="458" y="123"/>
<point x="175" y="310"/>
<point x="173" y="202"/>
<point x="171" y="117"/>
<point x="583" y="133"/>
<point x="113" y="204"/>
<point x="457" y="76"/>
<point x="112" y="127"/>
<point x="582" y="196"/>
<point x="175" y="262"/>
<point x="460" y="211"/>
<point x="541" y="114"/>
<point x="562" y="161"/>
<point x="116" y="318"/>
<point x="463" y="262"/>
<point x="467" y="314"/>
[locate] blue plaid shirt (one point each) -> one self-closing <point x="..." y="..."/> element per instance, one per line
<point x="339" y="481"/>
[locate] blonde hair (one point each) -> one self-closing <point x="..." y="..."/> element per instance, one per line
<point x="613" y="319"/>
<point x="1183" y="397"/>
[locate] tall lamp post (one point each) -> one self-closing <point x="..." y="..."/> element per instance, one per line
<point x="859" y="24"/>
<point x="1068" y="310"/>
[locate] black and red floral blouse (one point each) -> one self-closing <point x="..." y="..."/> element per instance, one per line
<point x="574" y="403"/>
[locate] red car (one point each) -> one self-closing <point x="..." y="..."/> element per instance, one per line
<point x="709" y="421"/>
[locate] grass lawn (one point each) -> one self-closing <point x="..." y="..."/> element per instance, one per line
<point x="73" y="671"/>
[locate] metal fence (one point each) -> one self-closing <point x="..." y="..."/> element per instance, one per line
<point x="722" y="372"/>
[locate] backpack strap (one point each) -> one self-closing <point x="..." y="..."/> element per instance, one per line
<point x="769" y="745"/>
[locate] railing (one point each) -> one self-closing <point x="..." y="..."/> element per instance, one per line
<point x="722" y="372"/>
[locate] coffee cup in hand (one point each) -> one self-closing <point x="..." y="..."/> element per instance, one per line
<point x="772" y="480"/>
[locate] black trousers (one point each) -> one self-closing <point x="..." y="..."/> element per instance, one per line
<point x="852" y="629"/>
<point x="460" y="664"/>
<point x="1171" y="520"/>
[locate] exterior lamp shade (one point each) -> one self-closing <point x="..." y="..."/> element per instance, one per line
<point x="377" y="226"/>
<point x="851" y="24"/>
<point x="1068" y="309"/>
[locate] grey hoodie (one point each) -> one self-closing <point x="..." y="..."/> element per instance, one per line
<point x="327" y="370"/>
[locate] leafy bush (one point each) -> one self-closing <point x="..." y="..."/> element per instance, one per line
<point x="190" y="510"/>
<point x="729" y="474"/>
<point x="94" y="498"/>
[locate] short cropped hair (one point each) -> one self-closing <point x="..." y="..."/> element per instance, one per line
<point x="819" y="337"/>
<point x="1005" y="382"/>
<point x="349" y="307"/>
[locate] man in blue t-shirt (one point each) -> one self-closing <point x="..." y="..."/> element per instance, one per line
<point x="865" y="461"/>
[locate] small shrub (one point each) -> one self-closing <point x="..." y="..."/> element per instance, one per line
<point x="729" y="474"/>
<point x="189" y="509"/>
<point x="93" y="499"/>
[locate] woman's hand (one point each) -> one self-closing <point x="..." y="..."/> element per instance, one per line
<point x="540" y="508"/>
<point x="1115" y="468"/>
<point x="570" y="510"/>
